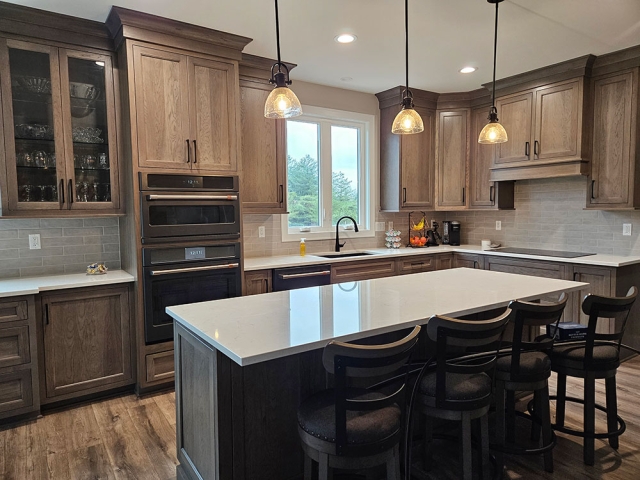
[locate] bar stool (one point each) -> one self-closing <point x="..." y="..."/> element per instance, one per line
<point x="598" y="356"/>
<point x="356" y="428"/>
<point x="527" y="369"/>
<point x="460" y="390"/>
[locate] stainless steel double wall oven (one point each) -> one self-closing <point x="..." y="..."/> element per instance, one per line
<point x="191" y="244"/>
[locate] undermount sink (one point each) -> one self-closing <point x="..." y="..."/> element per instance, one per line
<point x="343" y="255"/>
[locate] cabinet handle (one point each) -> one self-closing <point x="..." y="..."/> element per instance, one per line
<point x="492" y="194"/>
<point x="476" y="264"/>
<point x="526" y="149"/>
<point x="195" y="152"/>
<point x="266" y="286"/>
<point x="46" y="314"/>
<point x="61" y="193"/>
<point x="404" y="195"/>
<point x="281" y="195"/>
<point x="593" y="184"/>
<point x="575" y="276"/>
<point x="463" y="195"/>
<point x="188" y="152"/>
<point x="70" y="191"/>
<point x="536" y="149"/>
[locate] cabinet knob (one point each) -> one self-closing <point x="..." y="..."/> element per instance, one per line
<point x="593" y="188"/>
<point x="70" y="191"/>
<point x="195" y="152"/>
<point x="492" y="194"/>
<point x="536" y="148"/>
<point x="526" y="149"/>
<point x="61" y="193"/>
<point x="404" y="195"/>
<point x="188" y="152"/>
<point x="463" y="195"/>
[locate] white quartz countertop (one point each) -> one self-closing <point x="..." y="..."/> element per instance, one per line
<point x="282" y="261"/>
<point x="33" y="285"/>
<point x="258" y="328"/>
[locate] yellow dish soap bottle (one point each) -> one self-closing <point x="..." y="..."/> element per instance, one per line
<point x="303" y="247"/>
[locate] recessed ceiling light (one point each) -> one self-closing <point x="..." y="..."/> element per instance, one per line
<point x="346" y="38"/>
<point x="346" y="79"/>
<point x="468" y="70"/>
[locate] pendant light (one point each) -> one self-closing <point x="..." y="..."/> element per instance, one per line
<point x="408" y="120"/>
<point x="493" y="132"/>
<point x="281" y="102"/>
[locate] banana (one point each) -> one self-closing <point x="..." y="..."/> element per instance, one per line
<point x="419" y="225"/>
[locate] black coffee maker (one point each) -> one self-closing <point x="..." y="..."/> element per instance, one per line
<point x="451" y="232"/>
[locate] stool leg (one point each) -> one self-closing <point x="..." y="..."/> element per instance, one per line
<point x="500" y="423"/>
<point x="428" y="438"/>
<point x="511" y="416"/>
<point x="467" y="453"/>
<point x="612" y="410"/>
<point x="324" y="472"/>
<point x="484" y="443"/>
<point x="589" y="417"/>
<point x="393" y="465"/>
<point x="535" y="427"/>
<point x="561" y="399"/>
<point x="307" y="467"/>
<point x="545" y="415"/>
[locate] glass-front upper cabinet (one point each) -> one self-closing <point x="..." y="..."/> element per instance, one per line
<point x="59" y="129"/>
<point x="89" y="129"/>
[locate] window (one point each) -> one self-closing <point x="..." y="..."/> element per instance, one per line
<point x="329" y="174"/>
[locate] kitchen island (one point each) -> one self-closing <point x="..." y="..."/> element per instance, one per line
<point x="243" y="365"/>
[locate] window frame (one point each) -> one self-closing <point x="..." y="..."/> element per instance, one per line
<point x="366" y="123"/>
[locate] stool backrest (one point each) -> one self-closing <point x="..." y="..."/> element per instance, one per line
<point x="346" y="360"/>
<point x="451" y="333"/>
<point x="598" y="308"/>
<point x="529" y="314"/>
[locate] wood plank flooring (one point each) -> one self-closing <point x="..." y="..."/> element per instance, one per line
<point x="134" y="438"/>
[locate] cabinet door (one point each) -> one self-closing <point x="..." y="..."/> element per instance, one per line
<point x="87" y="343"/>
<point x="33" y="134"/>
<point x="89" y="120"/>
<point x="453" y="152"/>
<point x="613" y="110"/>
<point x="557" y="121"/>
<point x="162" y="108"/>
<point x="258" y="282"/>
<point x="213" y="107"/>
<point x="599" y="280"/>
<point x="263" y="153"/>
<point x="482" y="189"/>
<point x="515" y="114"/>
<point x="466" y="260"/>
<point x="417" y="164"/>
<point x="444" y="262"/>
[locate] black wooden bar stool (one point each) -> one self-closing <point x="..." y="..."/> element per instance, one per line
<point x="460" y="390"/>
<point x="527" y="369"/>
<point x="356" y="428"/>
<point x="596" y="357"/>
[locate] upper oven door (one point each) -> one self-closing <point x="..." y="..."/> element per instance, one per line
<point x="179" y="215"/>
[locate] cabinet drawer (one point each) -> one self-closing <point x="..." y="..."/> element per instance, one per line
<point x="14" y="346"/>
<point x="525" y="267"/>
<point x="15" y="390"/>
<point x="425" y="263"/>
<point x="13" y="311"/>
<point x="351" y="272"/>
<point x="160" y="366"/>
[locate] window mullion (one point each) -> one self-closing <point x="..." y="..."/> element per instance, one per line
<point x="325" y="173"/>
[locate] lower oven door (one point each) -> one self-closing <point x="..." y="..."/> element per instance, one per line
<point x="177" y="285"/>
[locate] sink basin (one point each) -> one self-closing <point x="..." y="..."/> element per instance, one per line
<point x="344" y="255"/>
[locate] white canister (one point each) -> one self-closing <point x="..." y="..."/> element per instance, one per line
<point x="486" y="244"/>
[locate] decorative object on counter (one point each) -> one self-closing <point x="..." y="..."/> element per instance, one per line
<point x="303" y="247"/>
<point x="281" y="102"/>
<point x="433" y="237"/>
<point x="392" y="239"/>
<point x="97" y="269"/>
<point x="35" y="84"/>
<point x="486" y="244"/>
<point x="407" y="121"/>
<point x="418" y="231"/>
<point x="493" y="132"/>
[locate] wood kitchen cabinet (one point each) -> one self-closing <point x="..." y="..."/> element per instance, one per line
<point x="264" y="149"/>
<point x="468" y="260"/>
<point x="186" y="111"/>
<point x="60" y="130"/>
<point x="257" y="282"/>
<point x="516" y="115"/>
<point x="407" y="162"/>
<point x="362" y="270"/>
<point x="452" y="159"/>
<point x="86" y="340"/>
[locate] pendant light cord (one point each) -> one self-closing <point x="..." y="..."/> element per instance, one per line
<point x="495" y="55"/>
<point x="406" y="42"/>
<point x="278" y="36"/>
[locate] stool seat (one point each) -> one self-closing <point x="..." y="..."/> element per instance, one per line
<point x="572" y="356"/>
<point x="316" y="416"/>
<point x="459" y="386"/>
<point x="532" y="364"/>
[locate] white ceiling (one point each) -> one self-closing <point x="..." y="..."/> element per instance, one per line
<point x="445" y="35"/>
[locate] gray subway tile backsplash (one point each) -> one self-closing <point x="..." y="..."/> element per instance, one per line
<point x="68" y="245"/>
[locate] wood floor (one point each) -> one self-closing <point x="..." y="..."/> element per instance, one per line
<point x="132" y="438"/>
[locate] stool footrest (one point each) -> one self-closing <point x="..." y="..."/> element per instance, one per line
<point x="515" y="450"/>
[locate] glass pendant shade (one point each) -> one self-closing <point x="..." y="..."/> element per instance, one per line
<point x="493" y="132"/>
<point x="407" y="121"/>
<point x="282" y="103"/>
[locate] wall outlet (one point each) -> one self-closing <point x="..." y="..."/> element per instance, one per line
<point x="261" y="232"/>
<point x="626" y="229"/>
<point x="498" y="225"/>
<point x="379" y="226"/>
<point x="34" y="242"/>
<point x="390" y="225"/>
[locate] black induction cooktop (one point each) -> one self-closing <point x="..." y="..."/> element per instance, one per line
<point x="543" y="253"/>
